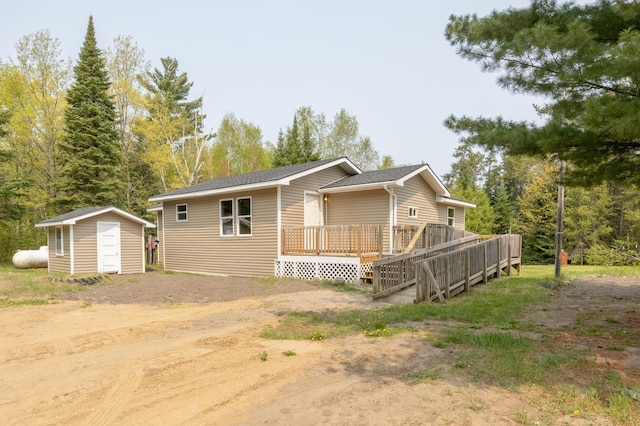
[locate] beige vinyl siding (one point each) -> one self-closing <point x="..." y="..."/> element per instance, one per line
<point x="417" y="193"/>
<point x="371" y="206"/>
<point x="293" y="195"/>
<point x="59" y="263"/>
<point x="85" y="235"/>
<point x="196" y="245"/>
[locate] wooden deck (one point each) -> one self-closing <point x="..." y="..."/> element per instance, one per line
<point x="362" y="240"/>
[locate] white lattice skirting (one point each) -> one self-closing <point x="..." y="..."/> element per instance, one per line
<point x="348" y="269"/>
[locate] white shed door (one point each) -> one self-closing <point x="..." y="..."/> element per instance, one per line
<point x="108" y="247"/>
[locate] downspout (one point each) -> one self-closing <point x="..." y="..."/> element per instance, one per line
<point x="393" y="202"/>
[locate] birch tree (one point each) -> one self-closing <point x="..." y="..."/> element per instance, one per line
<point x="173" y="129"/>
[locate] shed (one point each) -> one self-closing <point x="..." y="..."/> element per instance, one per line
<point x="96" y="239"/>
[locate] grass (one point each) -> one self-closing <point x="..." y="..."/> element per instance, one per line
<point x="342" y="287"/>
<point x="20" y="287"/>
<point x="485" y="332"/>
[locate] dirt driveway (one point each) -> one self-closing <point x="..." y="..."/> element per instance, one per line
<point x="184" y="349"/>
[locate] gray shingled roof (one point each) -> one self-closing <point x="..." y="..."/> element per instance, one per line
<point x="264" y="176"/>
<point x="375" y="176"/>
<point x="69" y="217"/>
<point x="75" y="213"/>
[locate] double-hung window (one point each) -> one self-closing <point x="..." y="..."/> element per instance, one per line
<point x="226" y="217"/>
<point x="451" y="216"/>
<point x="243" y="213"/>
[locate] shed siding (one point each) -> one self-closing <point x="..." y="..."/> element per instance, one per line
<point x="86" y="244"/>
<point x="59" y="263"/>
<point x="196" y="245"/>
<point x="293" y="194"/>
<point x="371" y="206"/>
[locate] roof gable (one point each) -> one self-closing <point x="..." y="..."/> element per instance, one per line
<point x="71" y="218"/>
<point x="256" y="180"/>
<point x="380" y="178"/>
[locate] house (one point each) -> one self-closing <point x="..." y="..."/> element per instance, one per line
<point x="96" y="240"/>
<point x="321" y="219"/>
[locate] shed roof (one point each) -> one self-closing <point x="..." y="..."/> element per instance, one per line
<point x="72" y="217"/>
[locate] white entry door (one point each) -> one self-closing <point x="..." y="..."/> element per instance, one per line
<point x="109" y="247"/>
<point x="312" y="217"/>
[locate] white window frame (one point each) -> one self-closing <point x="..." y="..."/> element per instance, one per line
<point x="451" y="216"/>
<point x="232" y="217"/>
<point x="239" y="216"/>
<point x="185" y="212"/>
<point x="60" y="248"/>
<point x="412" y="212"/>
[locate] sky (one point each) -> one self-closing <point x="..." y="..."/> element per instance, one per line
<point x="385" y="62"/>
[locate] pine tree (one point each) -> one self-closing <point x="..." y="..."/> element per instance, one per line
<point x="296" y="146"/>
<point x="90" y="153"/>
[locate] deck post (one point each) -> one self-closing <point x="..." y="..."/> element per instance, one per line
<point x="484" y="263"/>
<point x="467" y="268"/>
<point x="499" y="259"/>
<point x="447" y="276"/>
<point x="509" y="257"/>
<point x="317" y="240"/>
<point x="419" y="284"/>
<point x="283" y="242"/>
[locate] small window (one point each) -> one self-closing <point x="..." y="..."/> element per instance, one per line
<point x="226" y="217"/>
<point x="451" y="216"/>
<point x="413" y="212"/>
<point x="244" y="216"/>
<point x="181" y="213"/>
<point x="59" y="241"/>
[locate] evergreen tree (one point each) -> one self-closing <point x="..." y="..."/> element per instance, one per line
<point x="90" y="154"/>
<point x="296" y="146"/>
<point x="537" y="210"/>
<point x="503" y="211"/>
<point x="280" y="152"/>
<point x="587" y="220"/>
<point x="583" y="60"/>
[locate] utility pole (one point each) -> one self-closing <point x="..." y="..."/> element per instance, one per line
<point x="560" y="219"/>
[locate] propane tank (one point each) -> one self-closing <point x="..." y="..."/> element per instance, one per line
<point x="25" y="259"/>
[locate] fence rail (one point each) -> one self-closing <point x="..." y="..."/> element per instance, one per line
<point x="392" y="274"/>
<point x="409" y="238"/>
<point x="443" y="276"/>
<point x="453" y="259"/>
<point x="355" y="240"/>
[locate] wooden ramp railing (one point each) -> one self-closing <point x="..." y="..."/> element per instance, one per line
<point x="410" y="238"/>
<point x="446" y="269"/>
<point x="446" y="275"/>
<point x="395" y="273"/>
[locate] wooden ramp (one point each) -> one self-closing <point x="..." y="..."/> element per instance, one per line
<point x="442" y="271"/>
<point x="402" y="297"/>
